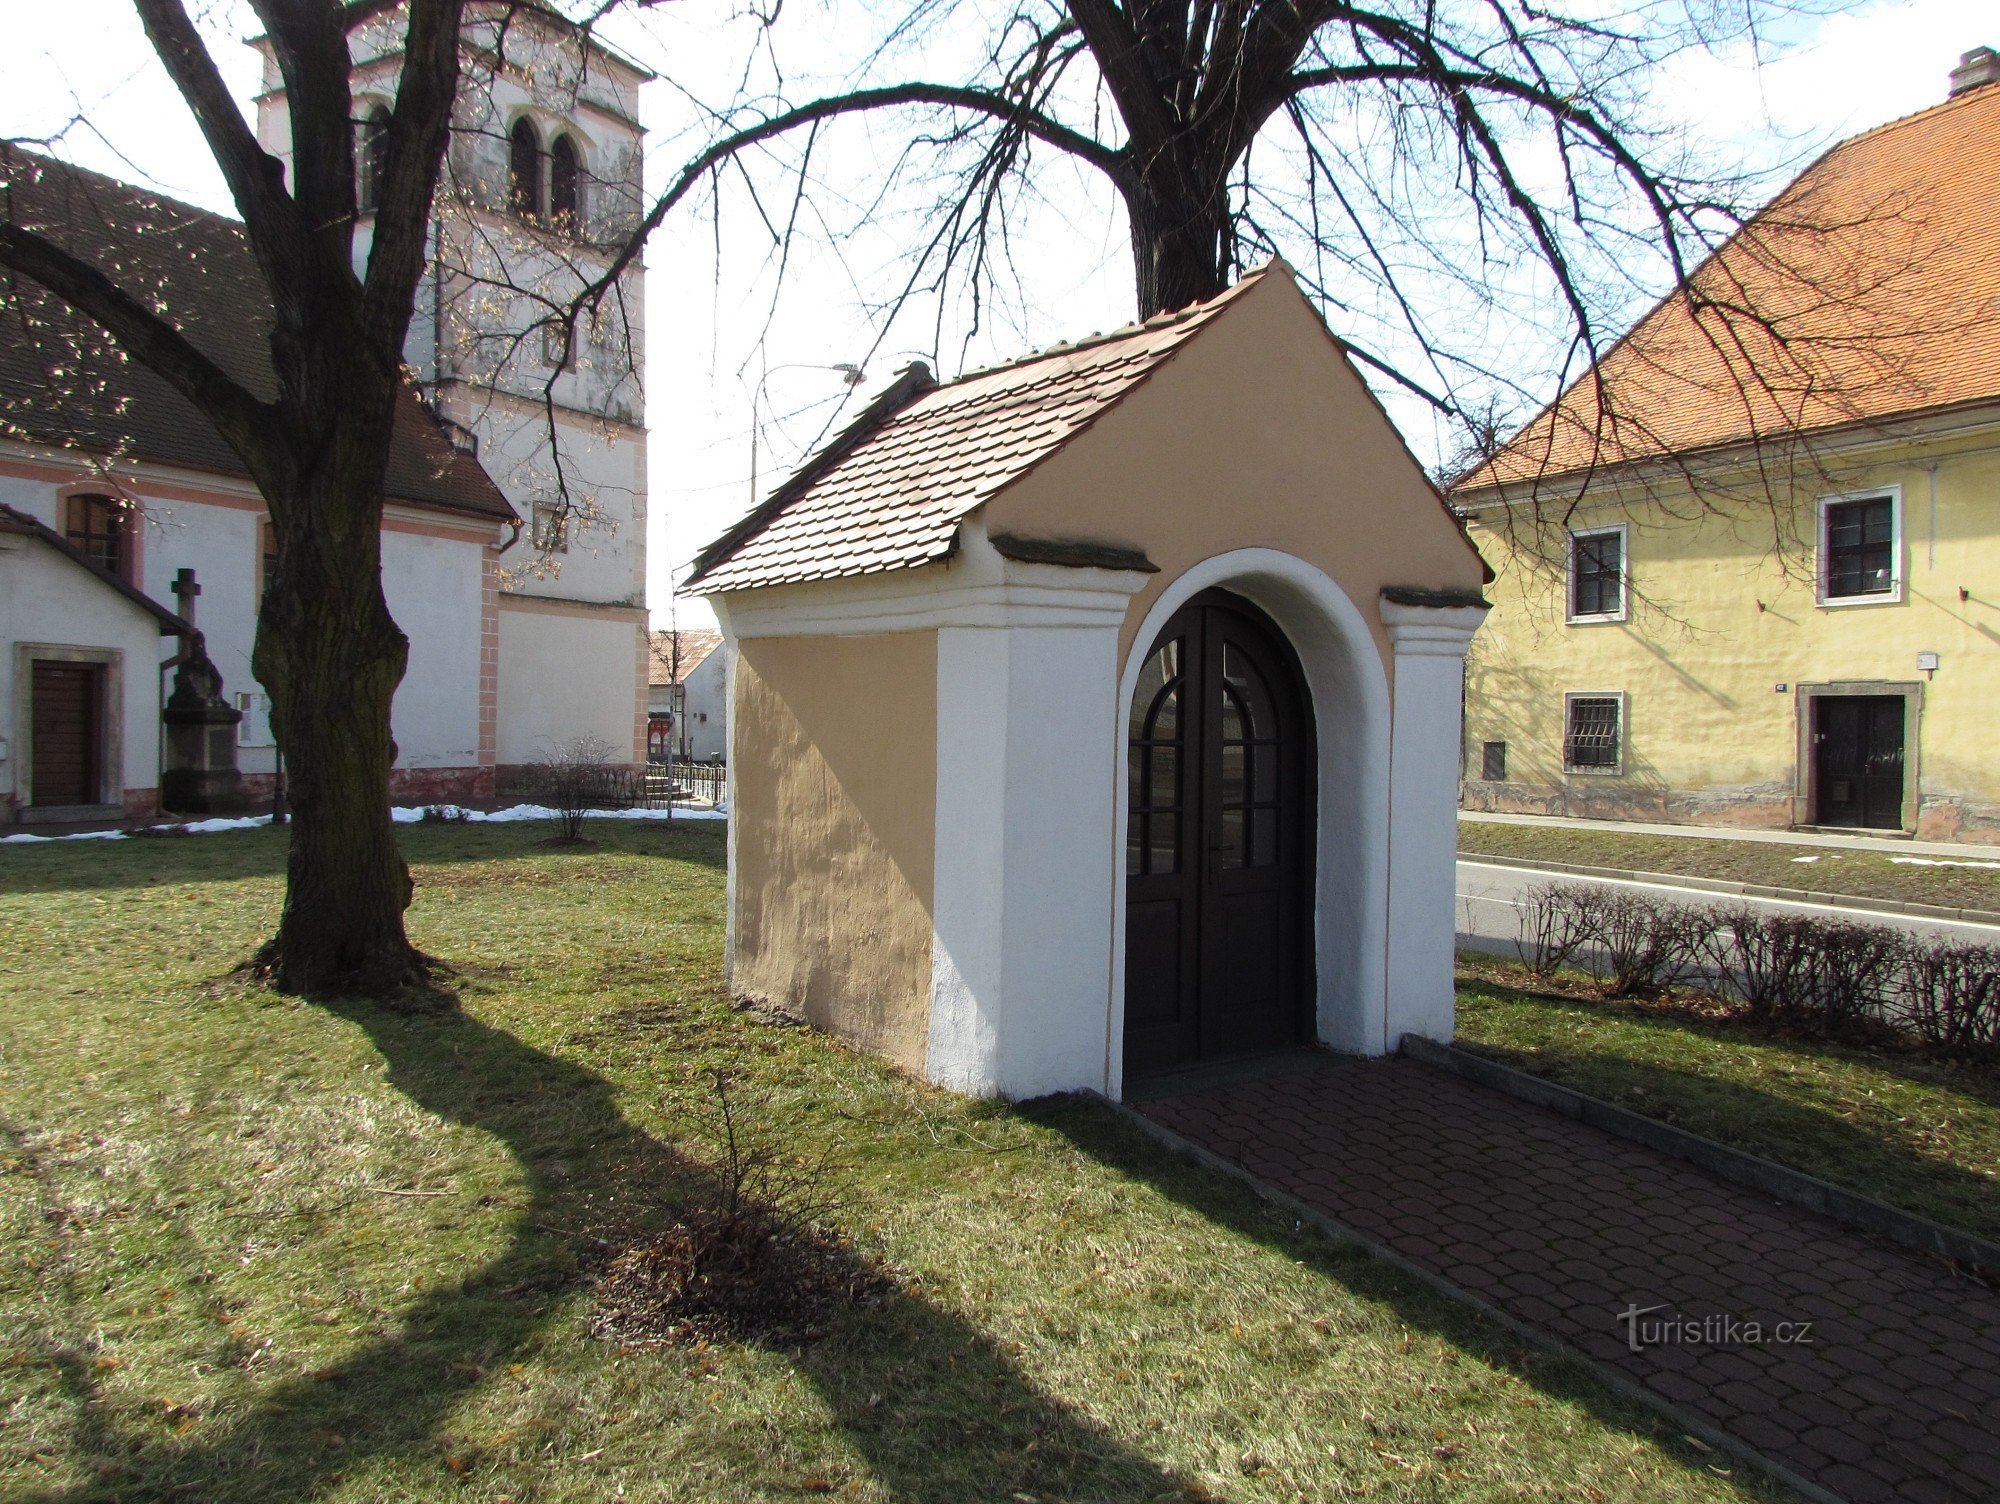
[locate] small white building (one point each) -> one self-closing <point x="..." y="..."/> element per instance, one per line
<point x="1098" y="714"/>
<point x="688" y="696"/>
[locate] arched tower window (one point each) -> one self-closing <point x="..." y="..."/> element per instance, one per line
<point x="371" y="156"/>
<point x="565" y="184"/>
<point x="524" y="169"/>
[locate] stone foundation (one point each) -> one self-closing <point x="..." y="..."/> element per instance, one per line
<point x="406" y="786"/>
<point x="1943" y="817"/>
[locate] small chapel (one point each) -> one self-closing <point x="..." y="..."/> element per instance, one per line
<point x="1097" y="716"/>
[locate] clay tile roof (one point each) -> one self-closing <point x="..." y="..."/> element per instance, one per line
<point x="694" y="645"/>
<point x="1877" y="271"/>
<point x="197" y="268"/>
<point x="889" y="492"/>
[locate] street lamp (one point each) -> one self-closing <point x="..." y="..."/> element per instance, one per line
<point x="851" y="376"/>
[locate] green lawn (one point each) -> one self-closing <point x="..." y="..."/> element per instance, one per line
<point x="1859" y="874"/>
<point x="253" y="1249"/>
<point x="1918" y="1134"/>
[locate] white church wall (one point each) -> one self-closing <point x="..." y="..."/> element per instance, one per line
<point x="567" y="672"/>
<point x="433" y="589"/>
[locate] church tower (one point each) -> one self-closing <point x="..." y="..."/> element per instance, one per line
<point x="541" y="186"/>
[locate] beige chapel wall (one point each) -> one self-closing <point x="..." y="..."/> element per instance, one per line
<point x="1717" y="622"/>
<point x="835" y="784"/>
<point x="1256" y="434"/>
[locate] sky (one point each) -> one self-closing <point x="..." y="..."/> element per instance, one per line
<point x="735" y="353"/>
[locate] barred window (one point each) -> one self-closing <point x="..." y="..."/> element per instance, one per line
<point x="1493" y="762"/>
<point x="1597" y="574"/>
<point x="1594" y="736"/>
<point x="1860" y="547"/>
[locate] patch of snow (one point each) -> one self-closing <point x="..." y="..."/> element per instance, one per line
<point x="1942" y="861"/>
<point x="518" y="812"/>
<point x="402" y="815"/>
<point x="81" y="835"/>
<point x="1805" y="858"/>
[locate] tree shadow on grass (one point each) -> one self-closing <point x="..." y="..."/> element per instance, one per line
<point x="1098" y="1133"/>
<point x="963" y="1414"/>
<point x="1977" y="1079"/>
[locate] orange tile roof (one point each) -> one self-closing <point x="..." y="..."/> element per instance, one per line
<point x="1868" y="289"/>
<point x="890" y="491"/>
<point x="695" y="644"/>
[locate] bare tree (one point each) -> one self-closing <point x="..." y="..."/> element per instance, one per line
<point x="317" y="442"/>
<point x="1442" y="173"/>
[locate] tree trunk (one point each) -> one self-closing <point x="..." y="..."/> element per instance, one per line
<point x="1179" y="247"/>
<point x="330" y="656"/>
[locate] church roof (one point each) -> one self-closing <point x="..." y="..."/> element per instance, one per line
<point x="64" y="383"/>
<point x="889" y="492"/>
<point x="1868" y="289"/>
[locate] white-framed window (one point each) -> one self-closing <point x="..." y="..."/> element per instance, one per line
<point x="1597" y="563"/>
<point x="548" y="529"/>
<point x="1594" y="732"/>
<point x="1861" y="547"/>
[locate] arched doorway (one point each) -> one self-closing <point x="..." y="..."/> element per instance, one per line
<point x="1220" y="835"/>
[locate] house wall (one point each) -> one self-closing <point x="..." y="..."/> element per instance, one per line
<point x="1312" y="469"/>
<point x="832" y="833"/>
<point x="1719" y="618"/>
<point x="708" y="707"/>
<point x="46" y="600"/>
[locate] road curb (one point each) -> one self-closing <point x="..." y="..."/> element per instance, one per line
<point x="1751" y="1171"/>
<point x="1690" y="1425"/>
<point x="1742" y="890"/>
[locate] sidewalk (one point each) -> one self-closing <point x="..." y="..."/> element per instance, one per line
<point x="1854" y="1369"/>
<point x="1894" y="845"/>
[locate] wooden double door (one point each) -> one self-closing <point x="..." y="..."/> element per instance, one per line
<point x="1219" y="841"/>
<point x="1858" y="760"/>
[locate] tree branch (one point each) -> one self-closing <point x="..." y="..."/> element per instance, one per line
<point x="1111" y="161"/>
<point x="255" y="178"/>
<point x="141" y="333"/>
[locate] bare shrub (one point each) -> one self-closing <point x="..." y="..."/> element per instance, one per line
<point x="1555" y="925"/>
<point x="1951" y="995"/>
<point x="757" y="1259"/>
<point x="1647" y="947"/>
<point x="1766" y="958"/>
<point x="1854" y="968"/>
<point x="574" y="779"/>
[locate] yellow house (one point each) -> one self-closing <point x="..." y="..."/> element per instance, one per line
<point x="1098" y="714"/>
<point x="1749" y="567"/>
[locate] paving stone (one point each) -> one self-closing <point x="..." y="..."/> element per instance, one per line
<point x="1897" y="1397"/>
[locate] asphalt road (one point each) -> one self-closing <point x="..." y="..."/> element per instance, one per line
<point x="1489" y="904"/>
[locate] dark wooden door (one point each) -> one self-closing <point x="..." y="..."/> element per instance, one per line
<point x="1218" y="856"/>
<point x="1858" y="760"/>
<point x="68" y="733"/>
